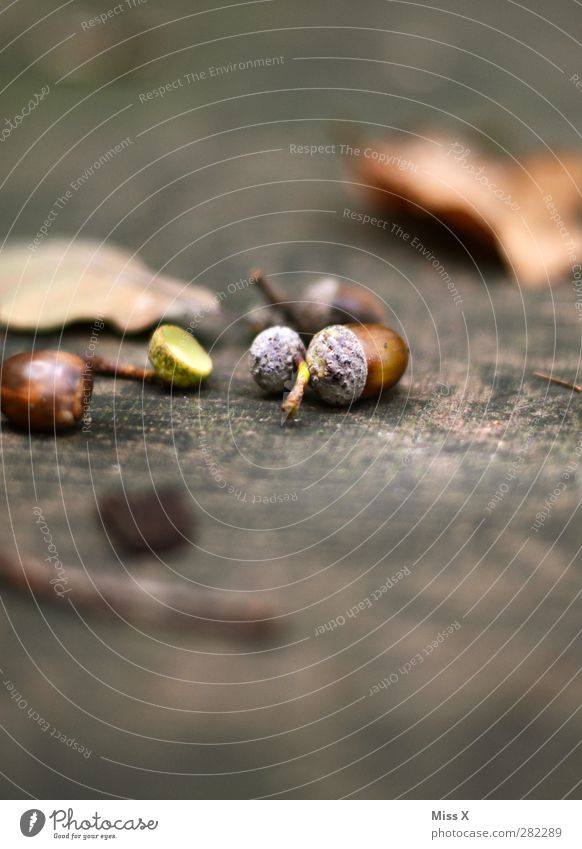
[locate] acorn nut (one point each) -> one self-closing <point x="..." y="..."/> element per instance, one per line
<point x="274" y="356"/>
<point x="45" y="390"/>
<point x="326" y="301"/>
<point x="348" y="362"/>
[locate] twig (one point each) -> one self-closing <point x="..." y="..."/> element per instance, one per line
<point x="272" y="295"/>
<point x="148" y="601"/>
<point x="559" y="380"/>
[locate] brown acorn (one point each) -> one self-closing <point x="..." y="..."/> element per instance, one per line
<point x="51" y="390"/>
<point x="45" y="390"/>
<point x="348" y="362"/>
<point x="325" y="302"/>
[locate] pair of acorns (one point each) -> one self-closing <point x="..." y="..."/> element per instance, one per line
<point x="343" y="362"/>
<point x="51" y="390"/>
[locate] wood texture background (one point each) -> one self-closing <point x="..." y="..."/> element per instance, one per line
<point x="208" y="190"/>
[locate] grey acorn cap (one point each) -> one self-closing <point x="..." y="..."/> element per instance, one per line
<point x="337" y="365"/>
<point x="272" y="357"/>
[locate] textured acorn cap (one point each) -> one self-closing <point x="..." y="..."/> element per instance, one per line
<point x="337" y="365"/>
<point x="273" y="355"/>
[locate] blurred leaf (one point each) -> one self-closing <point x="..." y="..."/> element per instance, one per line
<point x="64" y="281"/>
<point x="523" y="210"/>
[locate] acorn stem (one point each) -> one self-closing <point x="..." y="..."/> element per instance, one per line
<point x="292" y="402"/>
<point x="99" y="365"/>
<point x="271" y="294"/>
<point x="559" y="380"/>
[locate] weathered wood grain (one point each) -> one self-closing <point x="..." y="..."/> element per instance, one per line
<point x="321" y="514"/>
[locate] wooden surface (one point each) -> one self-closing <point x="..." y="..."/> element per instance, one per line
<point x="315" y="517"/>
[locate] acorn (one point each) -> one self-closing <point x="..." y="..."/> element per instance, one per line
<point x="51" y="390"/>
<point x="45" y="390"/>
<point x="325" y="302"/>
<point x="348" y="362"/>
<point x="274" y="357"/>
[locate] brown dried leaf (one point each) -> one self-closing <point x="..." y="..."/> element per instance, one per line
<point x="66" y="281"/>
<point x="525" y="211"/>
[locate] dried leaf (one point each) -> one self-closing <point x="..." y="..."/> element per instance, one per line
<point x="66" y="281"/>
<point x="525" y="210"/>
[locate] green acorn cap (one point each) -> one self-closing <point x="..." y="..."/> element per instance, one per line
<point x="177" y="357"/>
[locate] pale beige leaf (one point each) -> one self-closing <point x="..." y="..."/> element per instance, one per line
<point x="69" y="281"/>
